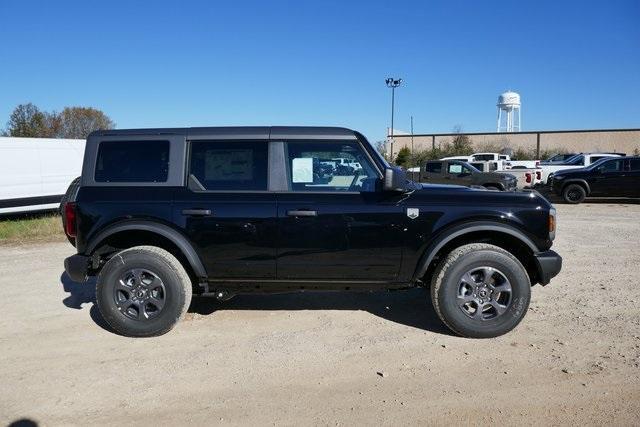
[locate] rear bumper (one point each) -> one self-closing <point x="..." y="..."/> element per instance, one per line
<point x="549" y="264"/>
<point x="76" y="267"/>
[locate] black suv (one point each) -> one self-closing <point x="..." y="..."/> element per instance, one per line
<point x="161" y="214"/>
<point x="608" y="177"/>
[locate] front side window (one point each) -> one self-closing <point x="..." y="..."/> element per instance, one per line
<point x="634" y="165"/>
<point x="230" y="165"/>
<point x="455" y="169"/>
<point x="329" y="166"/>
<point x="132" y="161"/>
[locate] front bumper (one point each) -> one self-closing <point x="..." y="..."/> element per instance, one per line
<point x="76" y="267"/>
<point x="549" y="264"/>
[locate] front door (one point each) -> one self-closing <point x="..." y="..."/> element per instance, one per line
<point x="609" y="179"/>
<point x="227" y="211"/>
<point x="333" y="224"/>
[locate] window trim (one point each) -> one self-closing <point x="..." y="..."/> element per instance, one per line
<point x="261" y="141"/>
<point x="175" y="176"/>
<point x="287" y="167"/>
<point x="143" y="182"/>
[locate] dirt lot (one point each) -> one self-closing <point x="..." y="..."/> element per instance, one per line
<point x="315" y="358"/>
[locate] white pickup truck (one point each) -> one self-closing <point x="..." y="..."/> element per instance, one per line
<point x="578" y="161"/>
<point x="527" y="178"/>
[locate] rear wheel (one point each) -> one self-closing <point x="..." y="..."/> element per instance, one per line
<point x="574" y="194"/>
<point x="480" y="291"/>
<point x="143" y="291"/>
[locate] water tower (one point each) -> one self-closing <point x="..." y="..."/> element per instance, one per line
<point x="509" y="112"/>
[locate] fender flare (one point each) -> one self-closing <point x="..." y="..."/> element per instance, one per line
<point x="576" y="181"/>
<point x="451" y="233"/>
<point x="173" y="235"/>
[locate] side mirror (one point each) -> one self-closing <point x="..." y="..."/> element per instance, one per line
<point x="395" y="179"/>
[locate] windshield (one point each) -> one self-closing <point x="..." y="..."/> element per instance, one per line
<point x="575" y="160"/>
<point x="471" y="167"/>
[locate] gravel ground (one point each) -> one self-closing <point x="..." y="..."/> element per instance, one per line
<point x="333" y="358"/>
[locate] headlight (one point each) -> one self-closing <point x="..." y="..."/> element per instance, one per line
<point x="552" y="223"/>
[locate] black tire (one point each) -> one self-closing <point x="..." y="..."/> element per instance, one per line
<point x="121" y="291"/>
<point x="449" y="291"/>
<point x="574" y="194"/>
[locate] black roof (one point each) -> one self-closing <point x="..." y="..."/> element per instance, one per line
<point x="240" y="132"/>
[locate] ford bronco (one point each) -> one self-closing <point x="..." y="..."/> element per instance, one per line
<point x="159" y="215"/>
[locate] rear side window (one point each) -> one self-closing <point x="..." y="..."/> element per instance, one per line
<point x="230" y="165"/>
<point x="434" y="167"/>
<point x="132" y="161"/>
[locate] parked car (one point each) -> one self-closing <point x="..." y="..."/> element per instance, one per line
<point x="608" y="177"/>
<point x="527" y="178"/>
<point x="35" y="172"/>
<point x="162" y="214"/>
<point x="462" y="173"/>
<point x="578" y="161"/>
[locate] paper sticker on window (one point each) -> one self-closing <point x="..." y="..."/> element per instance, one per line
<point x="302" y="170"/>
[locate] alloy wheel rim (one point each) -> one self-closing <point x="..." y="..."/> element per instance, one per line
<point x="139" y="294"/>
<point x="484" y="293"/>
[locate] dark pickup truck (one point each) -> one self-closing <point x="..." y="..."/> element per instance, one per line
<point x="159" y="215"/>
<point x="462" y="173"/>
<point x="607" y="177"/>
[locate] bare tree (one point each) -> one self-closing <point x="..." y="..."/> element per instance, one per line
<point x="79" y="122"/>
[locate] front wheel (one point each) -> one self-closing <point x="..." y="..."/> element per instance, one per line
<point x="143" y="291"/>
<point x="480" y="291"/>
<point x="574" y="194"/>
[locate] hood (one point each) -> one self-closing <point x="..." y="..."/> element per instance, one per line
<point x="466" y="196"/>
<point x="572" y="171"/>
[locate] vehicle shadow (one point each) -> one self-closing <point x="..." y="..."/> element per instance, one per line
<point x="411" y="307"/>
<point x="83" y="293"/>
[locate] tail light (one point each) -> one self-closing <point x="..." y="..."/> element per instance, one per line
<point x="552" y="223"/>
<point x="527" y="177"/>
<point x="70" y="219"/>
<point x="538" y="175"/>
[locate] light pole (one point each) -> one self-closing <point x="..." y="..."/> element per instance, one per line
<point x="392" y="83"/>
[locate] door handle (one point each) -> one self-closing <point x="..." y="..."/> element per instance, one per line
<point x="302" y="213"/>
<point x="197" y="212"/>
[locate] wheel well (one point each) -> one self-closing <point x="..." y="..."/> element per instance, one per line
<point x="130" y="238"/>
<point x="510" y="243"/>
<point x="580" y="183"/>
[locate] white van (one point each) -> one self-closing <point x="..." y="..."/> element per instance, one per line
<point x="35" y="172"/>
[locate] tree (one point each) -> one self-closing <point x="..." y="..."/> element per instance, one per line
<point x="403" y="157"/>
<point x="461" y="144"/>
<point x="27" y="120"/>
<point x="79" y="122"/>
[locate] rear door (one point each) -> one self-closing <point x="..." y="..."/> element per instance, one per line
<point x="227" y="210"/>
<point x="334" y="226"/>
<point x="433" y="173"/>
<point x="632" y="184"/>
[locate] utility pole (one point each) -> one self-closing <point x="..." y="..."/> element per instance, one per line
<point x="411" y="138"/>
<point x="392" y="83"/>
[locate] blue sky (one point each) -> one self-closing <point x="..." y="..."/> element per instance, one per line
<point x="205" y="63"/>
